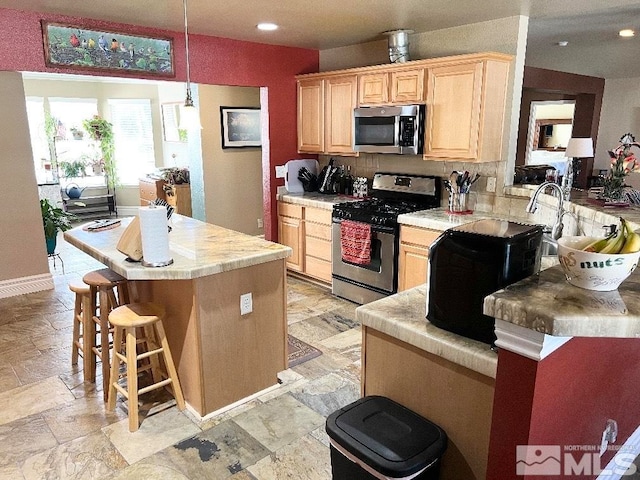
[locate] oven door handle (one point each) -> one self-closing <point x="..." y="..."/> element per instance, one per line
<point x="374" y="228"/>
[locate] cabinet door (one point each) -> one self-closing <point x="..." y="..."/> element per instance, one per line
<point x="340" y="102"/>
<point x="373" y="89"/>
<point x="413" y="256"/>
<point x="311" y="116"/>
<point x="407" y="86"/>
<point x="453" y="111"/>
<point x="290" y="234"/>
<point x="413" y="262"/>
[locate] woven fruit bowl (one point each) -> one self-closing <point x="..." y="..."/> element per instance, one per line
<point x="601" y="272"/>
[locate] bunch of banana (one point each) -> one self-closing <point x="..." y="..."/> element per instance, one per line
<point x="624" y="240"/>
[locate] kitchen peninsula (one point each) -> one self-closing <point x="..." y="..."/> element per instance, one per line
<point x="221" y="356"/>
<point x="567" y="364"/>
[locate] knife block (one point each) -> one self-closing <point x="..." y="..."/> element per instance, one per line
<point x="130" y="242"/>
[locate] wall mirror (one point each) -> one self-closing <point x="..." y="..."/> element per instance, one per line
<point x="550" y="127"/>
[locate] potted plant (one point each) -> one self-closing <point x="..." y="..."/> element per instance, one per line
<point x="54" y="220"/>
<point x="101" y="131"/>
<point x="73" y="169"/>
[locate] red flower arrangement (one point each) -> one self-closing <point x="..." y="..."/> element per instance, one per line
<point x="623" y="162"/>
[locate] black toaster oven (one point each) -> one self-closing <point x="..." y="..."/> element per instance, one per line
<point x="471" y="261"/>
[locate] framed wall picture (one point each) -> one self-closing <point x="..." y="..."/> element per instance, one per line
<point x="240" y="127"/>
<point x="76" y="47"/>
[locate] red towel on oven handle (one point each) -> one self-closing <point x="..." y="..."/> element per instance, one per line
<point x="355" y="242"/>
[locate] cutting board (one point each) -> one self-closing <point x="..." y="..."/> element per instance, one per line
<point x="291" y="182"/>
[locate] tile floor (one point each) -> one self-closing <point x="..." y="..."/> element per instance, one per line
<point x="53" y="425"/>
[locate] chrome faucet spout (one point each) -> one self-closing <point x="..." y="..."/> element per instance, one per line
<point x="556" y="229"/>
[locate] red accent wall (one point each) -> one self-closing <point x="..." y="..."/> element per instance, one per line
<point x="565" y="399"/>
<point x="580" y="386"/>
<point x="213" y="60"/>
<point x="511" y="418"/>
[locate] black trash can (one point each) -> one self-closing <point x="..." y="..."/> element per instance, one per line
<point x="377" y="438"/>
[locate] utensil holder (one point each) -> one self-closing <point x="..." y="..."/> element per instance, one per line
<point x="458" y="203"/>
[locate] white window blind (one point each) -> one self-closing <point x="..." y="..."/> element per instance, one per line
<point x="133" y="138"/>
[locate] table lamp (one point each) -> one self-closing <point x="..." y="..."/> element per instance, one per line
<point x="576" y="148"/>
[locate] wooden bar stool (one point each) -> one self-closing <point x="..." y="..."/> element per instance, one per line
<point x="103" y="285"/>
<point x="128" y="321"/>
<point x="81" y="317"/>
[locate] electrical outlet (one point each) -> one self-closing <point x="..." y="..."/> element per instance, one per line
<point x="281" y="171"/>
<point x="260" y="224"/>
<point x="246" y="304"/>
<point x="491" y="184"/>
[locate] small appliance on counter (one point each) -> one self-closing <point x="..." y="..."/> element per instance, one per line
<point x="471" y="261"/>
<point x="294" y="182"/>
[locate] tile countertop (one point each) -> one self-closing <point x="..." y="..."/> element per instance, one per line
<point x="198" y="249"/>
<point x="439" y="219"/>
<point x="315" y="199"/>
<point x="403" y="316"/>
<point x="548" y="304"/>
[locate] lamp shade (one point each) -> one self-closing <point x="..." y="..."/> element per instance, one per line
<point x="189" y="118"/>
<point x="579" y="148"/>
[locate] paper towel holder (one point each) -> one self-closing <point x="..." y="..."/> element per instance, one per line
<point x="160" y="203"/>
<point x="157" y="264"/>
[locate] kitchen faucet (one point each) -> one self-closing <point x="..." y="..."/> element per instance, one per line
<point x="556" y="230"/>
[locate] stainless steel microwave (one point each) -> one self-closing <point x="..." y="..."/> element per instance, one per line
<point x="392" y="129"/>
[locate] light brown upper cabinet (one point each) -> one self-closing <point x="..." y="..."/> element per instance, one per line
<point x="373" y="89"/>
<point x="466" y="110"/>
<point x="465" y="97"/>
<point x="340" y="100"/>
<point x="311" y="115"/>
<point x="400" y="86"/>
<point x="325" y="114"/>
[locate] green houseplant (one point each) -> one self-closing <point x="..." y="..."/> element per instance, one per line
<point x="54" y="219"/>
<point x="101" y="131"/>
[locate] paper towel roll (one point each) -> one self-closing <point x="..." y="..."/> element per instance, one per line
<point x="155" y="236"/>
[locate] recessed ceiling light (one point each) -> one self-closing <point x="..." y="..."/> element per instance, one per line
<point x="267" y="26"/>
<point x="627" y="32"/>
<point x="563" y="43"/>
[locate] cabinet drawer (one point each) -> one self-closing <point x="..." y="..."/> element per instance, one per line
<point x="150" y="190"/>
<point x="318" y="248"/>
<point x="418" y="236"/>
<point x="318" y="231"/>
<point x="318" y="215"/>
<point x="289" y="210"/>
<point x="320" y="269"/>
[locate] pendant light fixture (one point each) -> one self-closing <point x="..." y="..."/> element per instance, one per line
<point x="189" y="115"/>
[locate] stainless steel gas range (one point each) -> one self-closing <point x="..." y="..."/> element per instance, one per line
<point x="365" y="235"/>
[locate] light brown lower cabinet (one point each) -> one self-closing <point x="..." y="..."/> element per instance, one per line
<point x="457" y="399"/>
<point x="307" y="231"/>
<point x="317" y="247"/>
<point x="413" y="256"/>
<point x="291" y="233"/>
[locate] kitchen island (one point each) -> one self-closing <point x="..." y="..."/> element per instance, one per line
<point x="222" y="357"/>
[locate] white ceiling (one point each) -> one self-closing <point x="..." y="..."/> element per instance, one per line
<point x="590" y="26"/>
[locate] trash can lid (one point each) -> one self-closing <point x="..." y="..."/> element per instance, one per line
<point x="388" y="437"/>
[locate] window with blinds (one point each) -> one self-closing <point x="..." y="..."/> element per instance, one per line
<point x="133" y="138"/>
